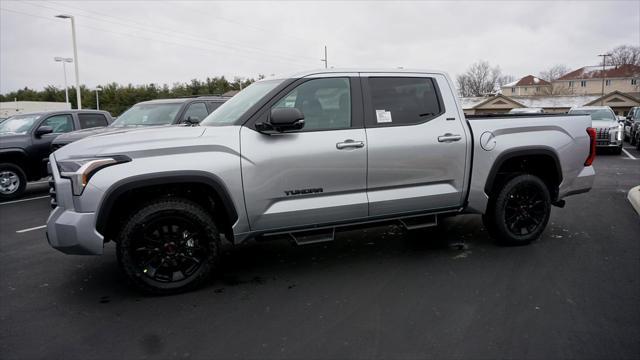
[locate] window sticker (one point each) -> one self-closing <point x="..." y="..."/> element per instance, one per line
<point x="383" y="116"/>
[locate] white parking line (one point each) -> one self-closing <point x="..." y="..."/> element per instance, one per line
<point x="21" y="200"/>
<point x="629" y="155"/>
<point x="31" y="229"/>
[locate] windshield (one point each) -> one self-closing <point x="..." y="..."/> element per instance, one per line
<point x="596" y="114"/>
<point x="19" y="124"/>
<point x="148" y="115"/>
<point x="231" y="110"/>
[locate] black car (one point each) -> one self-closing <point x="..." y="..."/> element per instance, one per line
<point x="189" y="111"/>
<point x="632" y="124"/>
<point x="25" y="143"/>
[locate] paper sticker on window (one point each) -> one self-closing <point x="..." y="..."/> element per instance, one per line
<point x="383" y="116"/>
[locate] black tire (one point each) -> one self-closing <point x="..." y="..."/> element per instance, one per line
<point x="618" y="150"/>
<point x="633" y="140"/>
<point x="13" y="181"/>
<point x="520" y="211"/>
<point x="168" y="246"/>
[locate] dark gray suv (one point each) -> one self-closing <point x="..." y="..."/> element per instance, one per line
<point x="189" y="111"/>
<point x="25" y="142"/>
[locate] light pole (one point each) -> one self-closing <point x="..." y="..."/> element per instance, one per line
<point x="64" y="70"/>
<point x="75" y="55"/>
<point x="98" y="89"/>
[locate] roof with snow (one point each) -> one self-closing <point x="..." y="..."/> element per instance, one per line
<point x="595" y="72"/>
<point x="528" y="80"/>
<point x="556" y="101"/>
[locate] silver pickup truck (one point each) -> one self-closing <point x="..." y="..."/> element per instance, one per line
<point x="304" y="156"/>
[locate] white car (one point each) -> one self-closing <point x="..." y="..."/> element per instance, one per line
<point x="609" y="131"/>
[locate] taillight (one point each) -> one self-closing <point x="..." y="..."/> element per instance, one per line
<point x="592" y="146"/>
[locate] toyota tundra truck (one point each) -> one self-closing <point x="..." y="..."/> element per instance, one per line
<point x="307" y="155"/>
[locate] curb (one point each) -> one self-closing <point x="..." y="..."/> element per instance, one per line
<point x="634" y="198"/>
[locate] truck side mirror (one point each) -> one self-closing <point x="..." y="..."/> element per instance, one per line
<point x="282" y="120"/>
<point x="43" y="130"/>
<point x="192" y="120"/>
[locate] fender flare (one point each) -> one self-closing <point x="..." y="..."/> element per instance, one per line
<point x="163" y="178"/>
<point x="16" y="150"/>
<point x="517" y="152"/>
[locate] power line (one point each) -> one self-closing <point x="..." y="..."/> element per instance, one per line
<point x="172" y="33"/>
<point x="128" y="35"/>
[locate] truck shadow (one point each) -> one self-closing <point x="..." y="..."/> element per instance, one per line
<point x="256" y="263"/>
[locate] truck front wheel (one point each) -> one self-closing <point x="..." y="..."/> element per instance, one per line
<point x="168" y="246"/>
<point x="520" y="211"/>
<point x="13" y="181"/>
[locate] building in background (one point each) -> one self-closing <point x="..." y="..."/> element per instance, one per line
<point x="588" y="80"/>
<point x="528" y="85"/>
<point x="10" y="108"/>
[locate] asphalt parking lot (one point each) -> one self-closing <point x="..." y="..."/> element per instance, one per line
<point x="575" y="293"/>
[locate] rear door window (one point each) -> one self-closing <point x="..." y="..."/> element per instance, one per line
<point x="92" y="120"/>
<point x="213" y="105"/>
<point x="403" y="101"/>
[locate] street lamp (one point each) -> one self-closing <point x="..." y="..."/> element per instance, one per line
<point x="75" y="55"/>
<point x="98" y="89"/>
<point x="64" y="70"/>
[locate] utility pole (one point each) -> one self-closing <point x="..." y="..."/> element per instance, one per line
<point x="64" y="70"/>
<point x="325" y="57"/>
<point x="604" y="62"/>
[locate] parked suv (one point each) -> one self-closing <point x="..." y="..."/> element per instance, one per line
<point x="189" y="111"/>
<point x="304" y="156"/>
<point x="25" y="142"/>
<point x="609" y="131"/>
<point x="631" y="124"/>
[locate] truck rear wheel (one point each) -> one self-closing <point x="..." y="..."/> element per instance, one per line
<point x="520" y="211"/>
<point x="168" y="246"/>
<point x="13" y="181"/>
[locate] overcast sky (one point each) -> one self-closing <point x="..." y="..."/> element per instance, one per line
<point x="175" y="41"/>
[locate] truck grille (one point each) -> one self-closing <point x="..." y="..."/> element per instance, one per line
<point x="52" y="193"/>
<point x="52" y="187"/>
<point x="602" y="136"/>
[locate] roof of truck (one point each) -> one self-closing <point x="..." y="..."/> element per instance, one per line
<point x="355" y="70"/>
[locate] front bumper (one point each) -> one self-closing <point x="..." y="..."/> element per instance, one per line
<point x="74" y="233"/>
<point x="68" y="229"/>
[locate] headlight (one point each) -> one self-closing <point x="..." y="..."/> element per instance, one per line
<point x="620" y="130"/>
<point x="80" y="170"/>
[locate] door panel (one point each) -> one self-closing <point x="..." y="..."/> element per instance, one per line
<point x="275" y="167"/>
<point x="417" y="166"/>
<point x="313" y="176"/>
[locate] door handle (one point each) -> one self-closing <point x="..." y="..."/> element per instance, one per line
<point x="448" y="137"/>
<point x="347" y="144"/>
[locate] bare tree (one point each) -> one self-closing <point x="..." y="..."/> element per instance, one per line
<point x="554" y="72"/>
<point x="624" y="54"/>
<point x="479" y="79"/>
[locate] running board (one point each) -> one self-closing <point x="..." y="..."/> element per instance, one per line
<point x="313" y="236"/>
<point x="419" y="222"/>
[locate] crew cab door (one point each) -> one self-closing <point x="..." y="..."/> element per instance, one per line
<point x="315" y="175"/>
<point x="417" y="144"/>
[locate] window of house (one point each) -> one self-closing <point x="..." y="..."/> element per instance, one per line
<point x="634" y="81"/>
<point x="325" y="103"/>
<point x="608" y="82"/>
<point x="570" y="83"/>
<point x="403" y="100"/>
<point x="92" y="120"/>
<point x="525" y="89"/>
<point x="537" y="89"/>
<point x="583" y="83"/>
<point x="513" y="90"/>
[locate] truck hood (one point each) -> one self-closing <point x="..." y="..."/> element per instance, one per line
<point x="603" y="124"/>
<point x="14" y="141"/>
<point x="81" y="134"/>
<point x="133" y="142"/>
